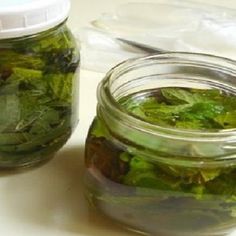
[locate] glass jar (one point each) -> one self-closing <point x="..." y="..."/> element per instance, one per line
<point x="39" y="62"/>
<point x="162" y="180"/>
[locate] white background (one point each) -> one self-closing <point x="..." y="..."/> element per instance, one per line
<point x="49" y="200"/>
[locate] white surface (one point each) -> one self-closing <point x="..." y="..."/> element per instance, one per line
<point x="49" y="201"/>
<point x="168" y="25"/>
<point x="24" y="17"/>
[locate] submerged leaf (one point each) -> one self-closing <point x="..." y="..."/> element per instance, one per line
<point x="227" y="120"/>
<point x="36" y="76"/>
<point x="178" y="96"/>
<point x="195" y="109"/>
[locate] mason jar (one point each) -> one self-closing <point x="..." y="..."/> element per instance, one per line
<point x="158" y="177"/>
<point x="39" y="62"/>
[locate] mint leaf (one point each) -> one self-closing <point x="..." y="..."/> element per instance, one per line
<point x="11" y="59"/>
<point x="183" y="108"/>
<point x="178" y="96"/>
<point x="227" y="120"/>
<point x="139" y="164"/>
<point x="142" y="173"/>
<point x="98" y="129"/>
<point x="201" y="111"/>
<point x="10" y="114"/>
<point x="23" y="74"/>
<point x="146" y="179"/>
<point x="60" y="86"/>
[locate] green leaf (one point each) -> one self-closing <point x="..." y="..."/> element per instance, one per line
<point x="180" y="108"/>
<point x="11" y="138"/>
<point x="166" y="115"/>
<point x="23" y="74"/>
<point x="146" y="179"/>
<point x="46" y="120"/>
<point x="48" y="41"/>
<point x="210" y="174"/>
<point x="125" y="156"/>
<point x="43" y="140"/>
<point x="178" y="96"/>
<point x="98" y="129"/>
<point x="11" y="59"/>
<point x="223" y="185"/>
<point x="138" y="163"/>
<point x="10" y="114"/>
<point x="202" y="111"/>
<point x="227" y="120"/>
<point x="144" y="174"/>
<point x="60" y="86"/>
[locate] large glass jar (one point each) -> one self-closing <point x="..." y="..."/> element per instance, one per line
<point x="38" y="81"/>
<point x="158" y="179"/>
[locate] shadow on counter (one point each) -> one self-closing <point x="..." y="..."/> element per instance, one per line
<point x="52" y="196"/>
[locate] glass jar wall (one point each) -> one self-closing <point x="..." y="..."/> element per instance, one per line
<point x="169" y="175"/>
<point x="38" y="80"/>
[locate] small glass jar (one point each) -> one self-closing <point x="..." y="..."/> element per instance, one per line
<point x="39" y="62"/>
<point x="184" y="182"/>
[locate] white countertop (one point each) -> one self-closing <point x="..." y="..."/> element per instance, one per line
<point x="49" y="200"/>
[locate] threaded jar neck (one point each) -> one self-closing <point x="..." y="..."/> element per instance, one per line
<point x="185" y="70"/>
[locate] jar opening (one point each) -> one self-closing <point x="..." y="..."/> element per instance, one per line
<point x="182" y="70"/>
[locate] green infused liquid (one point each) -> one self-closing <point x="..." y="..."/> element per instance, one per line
<point x="36" y="103"/>
<point x="184" y="108"/>
<point x="155" y="197"/>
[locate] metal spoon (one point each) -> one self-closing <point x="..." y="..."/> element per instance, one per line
<point x="142" y="47"/>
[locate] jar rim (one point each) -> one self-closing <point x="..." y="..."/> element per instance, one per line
<point x="105" y="96"/>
